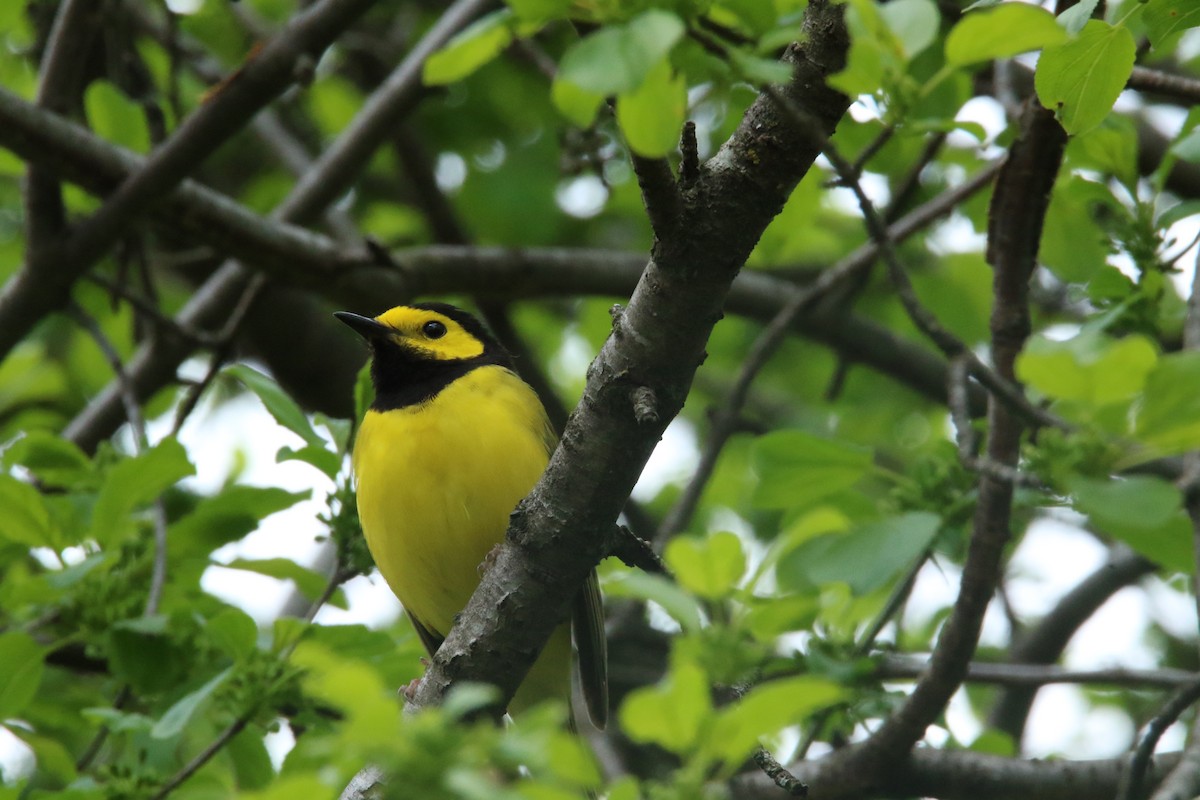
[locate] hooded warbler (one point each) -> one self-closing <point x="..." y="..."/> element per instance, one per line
<point x="450" y="445"/>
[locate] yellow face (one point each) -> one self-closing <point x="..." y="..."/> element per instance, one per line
<point x="430" y="333"/>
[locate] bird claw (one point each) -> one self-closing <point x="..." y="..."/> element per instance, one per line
<point x="489" y="560"/>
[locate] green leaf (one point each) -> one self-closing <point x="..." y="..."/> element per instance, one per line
<point x="54" y="460"/>
<point x="578" y="105"/>
<point x="311" y="583"/>
<point x="869" y="58"/>
<point x="1002" y="31"/>
<point x="617" y="58"/>
<point x="710" y="566"/>
<point x="115" y="117"/>
<point x="56" y="765"/>
<point x="234" y="632"/>
<point x="353" y="641"/>
<point x="1188" y="147"/>
<point x="652" y="115"/>
<point x="1080" y="79"/>
<point x="468" y="697"/>
<point x="180" y="714"/>
<point x="768" y="618"/>
<point x="325" y="460"/>
<point x="1073" y="245"/>
<point x="140" y="653"/>
<point x="1165" y="18"/>
<point x="1178" y="212"/>
<point x="118" y="721"/>
<point x="22" y="662"/>
<point x="671" y="714"/>
<point x="227" y="517"/>
<point x="1110" y="148"/>
<point x="278" y="403"/>
<point x="26" y="520"/>
<point x="475" y="46"/>
<point x="758" y="70"/>
<point x="1143" y="511"/>
<point x="1091" y="368"/>
<point x="133" y="483"/>
<point x="680" y="605"/>
<point x="252" y="766"/>
<point x="913" y="23"/>
<point x="371" y="711"/>
<point x="795" y="468"/>
<point x="1168" y="420"/>
<point x="1075" y="17"/>
<point x="290" y="786"/>
<point x="995" y="743"/>
<point x="864" y="558"/>
<point x="540" y="10"/>
<point x="767" y="709"/>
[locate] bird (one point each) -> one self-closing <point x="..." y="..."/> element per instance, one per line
<point x="452" y="442"/>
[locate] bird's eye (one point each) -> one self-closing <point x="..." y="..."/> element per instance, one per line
<point x="433" y="329"/>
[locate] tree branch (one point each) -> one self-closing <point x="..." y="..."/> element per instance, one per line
<point x="1139" y="762"/>
<point x="725" y="420"/>
<point x="32" y="294"/>
<point x="1018" y="209"/>
<point x="1037" y="675"/>
<point x="61" y="72"/>
<point x="1044" y="643"/>
<point x="307" y="260"/>
<point x="960" y="775"/>
<point x="562" y="529"/>
<point x="154" y="365"/>
<point x="1177" y="87"/>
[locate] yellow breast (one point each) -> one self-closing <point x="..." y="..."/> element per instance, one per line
<point x="437" y="482"/>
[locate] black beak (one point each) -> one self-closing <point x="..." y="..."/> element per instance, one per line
<point x="365" y="327"/>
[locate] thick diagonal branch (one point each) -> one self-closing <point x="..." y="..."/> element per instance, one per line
<point x="561" y="530"/>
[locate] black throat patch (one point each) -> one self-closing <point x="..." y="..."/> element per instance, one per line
<point x="403" y="378"/>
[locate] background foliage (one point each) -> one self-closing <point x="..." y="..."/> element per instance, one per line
<point x="491" y="154"/>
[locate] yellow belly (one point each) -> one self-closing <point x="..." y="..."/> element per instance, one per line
<point x="436" y="484"/>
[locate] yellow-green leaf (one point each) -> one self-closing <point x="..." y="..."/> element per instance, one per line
<point x="1003" y="31"/>
<point x="468" y="51"/>
<point x="652" y="115"/>
<point x="1080" y="79"/>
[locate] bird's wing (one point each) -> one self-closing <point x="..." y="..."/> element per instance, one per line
<point x="431" y="640"/>
<point x="587" y="618"/>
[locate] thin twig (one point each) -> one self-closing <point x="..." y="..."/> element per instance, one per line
<point x="158" y="572"/>
<point x="1013" y="674"/>
<point x="907" y="185"/>
<point x="1184" y="780"/>
<point x="224" y="346"/>
<point x="1044" y="642"/>
<point x="133" y="412"/>
<point x="336" y="169"/>
<point x="149" y="311"/>
<point x="238" y="725"/>
<point x="926" y="322"/>
<point x="660" y="193"/>
<point x="785" y="780"/>
<point x="32" y="294"/>
<point x="1131" y="780"/>
<point x="725" y="420"/>
<point x="873" y="147"/>
<point x="201" y="758"/>
<point x="1042" y="144"/>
